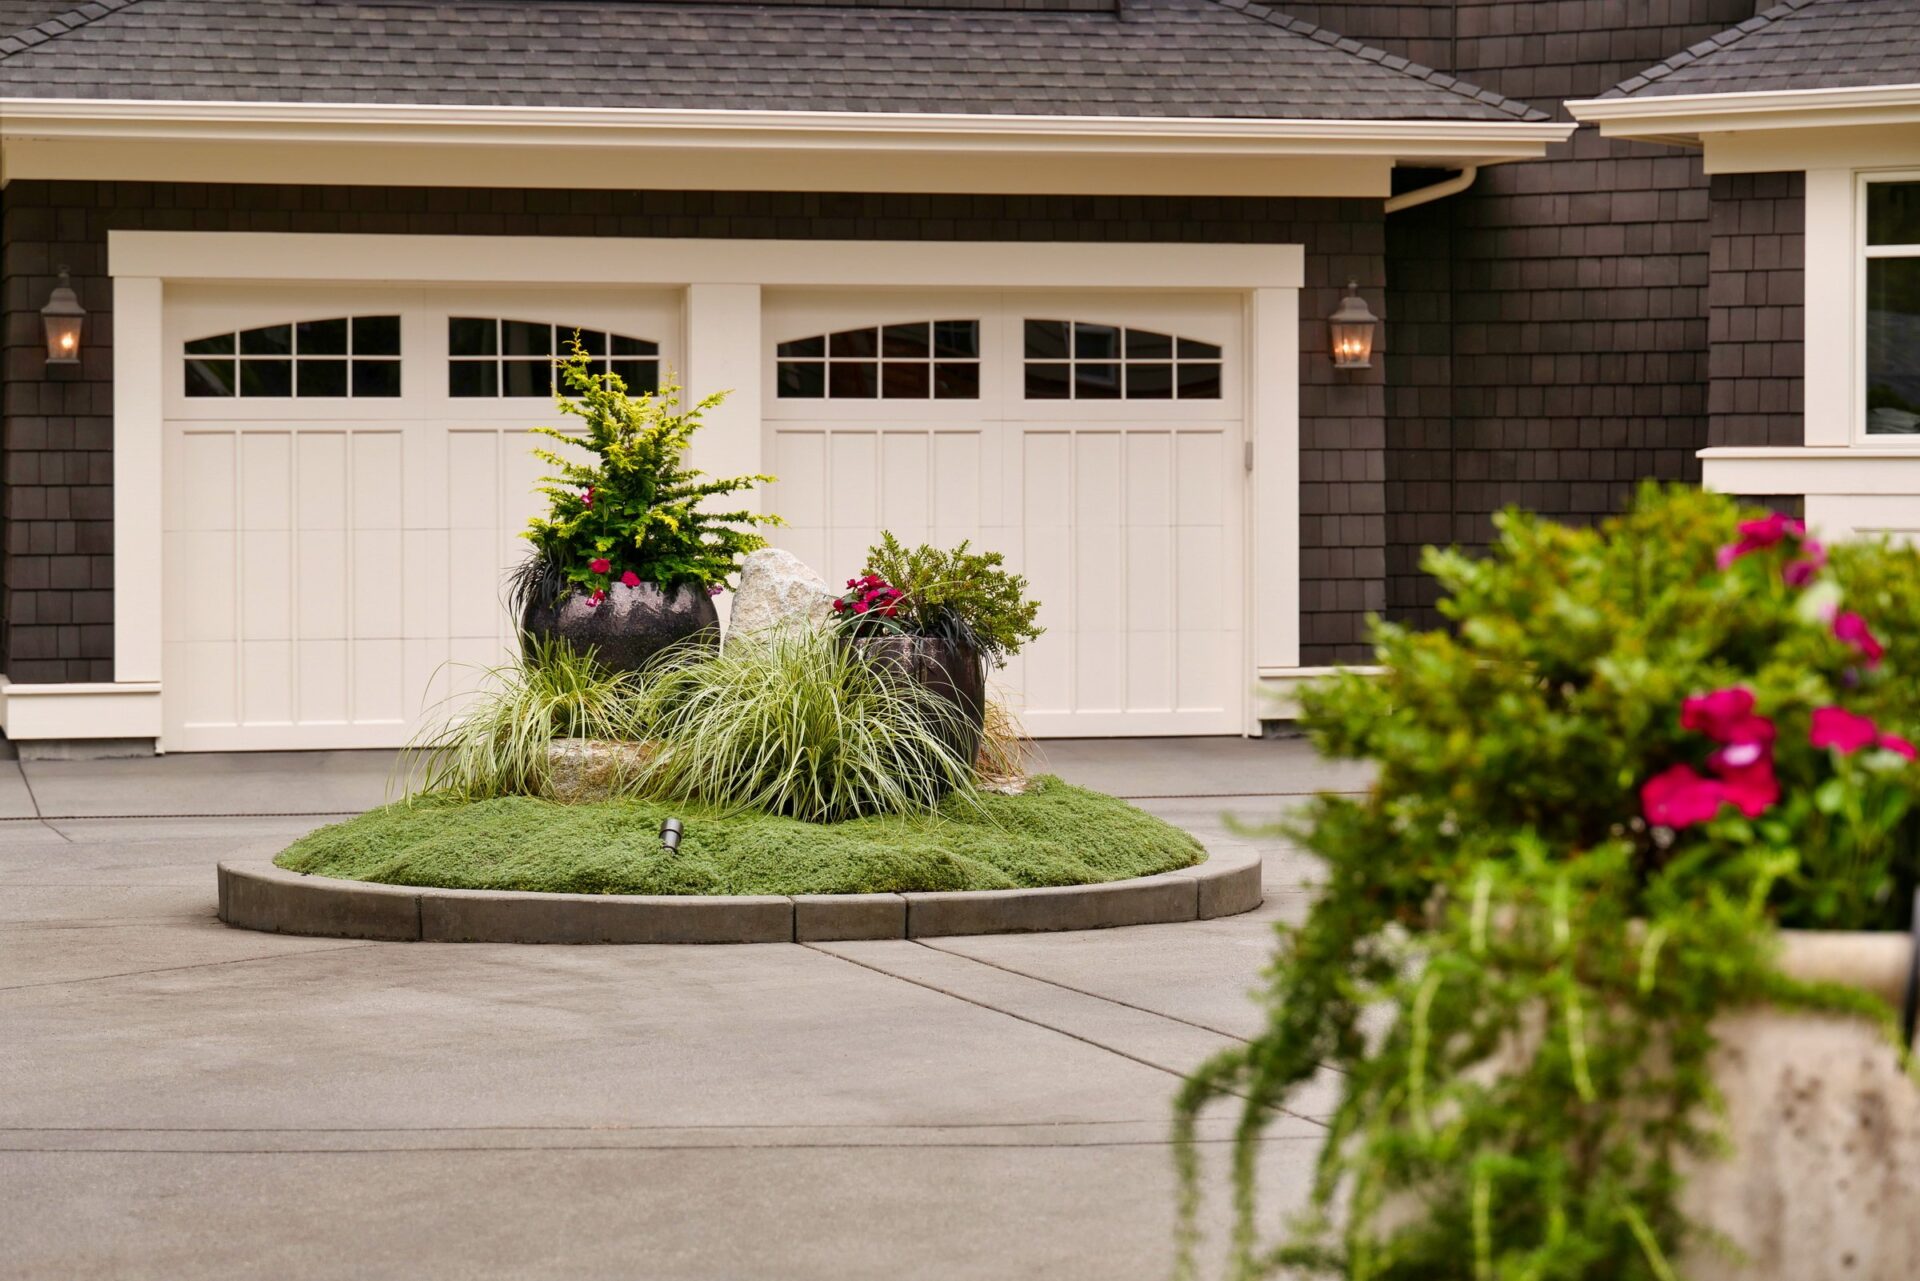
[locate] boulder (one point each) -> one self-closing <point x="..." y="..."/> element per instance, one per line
<point x="590" y="769"/>
<point x="777" y="589"/>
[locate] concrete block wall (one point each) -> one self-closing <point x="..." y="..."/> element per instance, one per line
<point x="56" y="425"/>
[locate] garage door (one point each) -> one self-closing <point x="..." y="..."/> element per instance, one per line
<point x="1095" y="438"/>
<point x="345" y="475"/>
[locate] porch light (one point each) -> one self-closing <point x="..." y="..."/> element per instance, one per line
<point x="64" y="318"/>
<point x="1353" y="327"/>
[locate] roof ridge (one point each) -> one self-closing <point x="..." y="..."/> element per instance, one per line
<point x="59" y="25"/>
<point x="1712" y="44"/>
<point x="1269" y="13"/>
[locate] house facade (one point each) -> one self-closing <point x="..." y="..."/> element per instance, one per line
<point x="1054" y="276"/>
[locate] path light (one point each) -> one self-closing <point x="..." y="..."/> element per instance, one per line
<point x="670" y="835"/>
<point x="64" y="318"/>
<point x="1353" y="327"/>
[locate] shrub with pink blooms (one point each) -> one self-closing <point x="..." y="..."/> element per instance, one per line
<point x="1639" y="750"/>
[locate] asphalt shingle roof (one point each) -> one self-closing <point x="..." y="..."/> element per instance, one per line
<point x="1181" y="58"/>
<point x="1801" y="44"/>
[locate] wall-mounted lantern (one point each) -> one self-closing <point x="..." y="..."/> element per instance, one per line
<point x="1353" y="327"/>
<point x="64" y="318"/>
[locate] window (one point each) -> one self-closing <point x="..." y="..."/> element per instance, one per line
<point x="1075" y="360"/>
<point x="355" y="356"/>
<point x="1893" y="309"/>
<point x="490" y="358"/>
<point x="920" y="360"/>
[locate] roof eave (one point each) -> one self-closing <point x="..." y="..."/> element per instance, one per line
<point x="1683" y="118"/>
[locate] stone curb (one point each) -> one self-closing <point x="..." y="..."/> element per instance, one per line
<point x="260" y="896"/>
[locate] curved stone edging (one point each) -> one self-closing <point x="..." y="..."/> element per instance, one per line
<point x="260" y="896"/>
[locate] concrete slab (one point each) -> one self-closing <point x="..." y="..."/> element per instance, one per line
<point x="1219" y="767"/>
<point x="16" y="799"/>
<point x="215" y="783"/>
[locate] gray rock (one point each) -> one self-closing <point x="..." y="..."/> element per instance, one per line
<point x="587" y="769"/>
<point x="777" y="589"/>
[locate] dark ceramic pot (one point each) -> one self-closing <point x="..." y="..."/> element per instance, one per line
<point x="630" y="626"/>
<point x="952" y="672"/>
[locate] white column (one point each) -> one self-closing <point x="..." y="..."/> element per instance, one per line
<point x="138" y="363"/>
<point x="1832" y="352"/>
<point x="723" y="354"/>
<point x="1273" y="427"/>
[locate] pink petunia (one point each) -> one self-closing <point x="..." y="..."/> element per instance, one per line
<point x="1751" y="787"/>
<point x="1679" y="797"/>
<point x="586" y="499"/>
<point x="1758" y="535"/>
<point x="598" y="596"/>
<point x="1897" y="745"/>
<point x="630" y="578"/>
<point x="600" y="565"/>
<point x="1726" y="716"/>
<point x="1852" y="629"/>
<point x="1813" y="558"/>
<point x="1839" y="728"/>
<point x="861" y="608"/>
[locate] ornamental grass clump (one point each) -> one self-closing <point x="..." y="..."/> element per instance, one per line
<point x="800" y="725"/>
<point x="1641" y="750"/>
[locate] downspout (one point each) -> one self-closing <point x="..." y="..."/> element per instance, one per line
<point x="1437" y="191"/>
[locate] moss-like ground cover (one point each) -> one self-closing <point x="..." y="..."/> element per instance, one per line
<point x="1054" y="834"/>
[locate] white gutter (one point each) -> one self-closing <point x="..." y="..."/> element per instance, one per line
<point x="1684" y="117"/>
<point x="139" y="120"/>
<point x="1433" y="191"/>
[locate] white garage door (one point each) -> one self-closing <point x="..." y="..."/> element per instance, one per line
<point x="1094" y="438"/>
<point x="345" y="476"/>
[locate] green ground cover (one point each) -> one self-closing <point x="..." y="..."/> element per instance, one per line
<point x="1054" y="834"/>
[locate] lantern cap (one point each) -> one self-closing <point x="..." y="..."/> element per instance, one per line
<point x="1354" y="309"/>
<point x="63" y="302"/>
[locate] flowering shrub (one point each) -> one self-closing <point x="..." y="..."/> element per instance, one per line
<point x="961" y="594"/>
<point x="1641" y="749"/>
<point x="635" y="513"/>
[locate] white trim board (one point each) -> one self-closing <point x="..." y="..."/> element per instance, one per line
<point x="1687" y="118"/>
<point x="645" y="148"/>
<point x="79" y="710"/>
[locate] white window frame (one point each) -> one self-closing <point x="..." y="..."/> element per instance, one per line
<point x="1863" y="253"/>
<point x="722" y="280"/>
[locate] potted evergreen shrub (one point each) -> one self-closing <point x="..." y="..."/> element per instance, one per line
<point x="1625" y="814"/>
<point x="627" y="560"/>
<point x="939" y="617"/>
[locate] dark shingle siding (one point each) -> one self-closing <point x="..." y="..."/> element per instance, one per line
<point x="1757" y="319"/>
<point x="1801" y="44"/>
<point x="1180" y="58"/>
<point x="57" y="425"/>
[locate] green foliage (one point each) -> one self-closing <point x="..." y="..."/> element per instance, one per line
<point x="1051" y="835"/>
<point x="1548" y="963"/>
<point x="494" y="743"/>
<point x="797" y="722"/>
<point x="636" y="506"/>
<point x="960" y="594"/>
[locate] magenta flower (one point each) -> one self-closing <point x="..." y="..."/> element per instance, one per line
<point x="839" y="606"/>
<point x="1813" y="557"/>
<point x="1758" y="535"/>
<point x="1726" y="716"/>
<point x="586" y="499"/>
<point x="1839" y="728"/>
<point x="1679" y="797"/>
<point x="715" y="590"/>
<point x="601" y="565"/>
<point x="1897" y="745"/>
<point x="1751" y="787"/>
<point x="1852" y="629"/>
<point x="599" y="595"/>
<point x="630" y="578"/>
<point x="861" y="608"/>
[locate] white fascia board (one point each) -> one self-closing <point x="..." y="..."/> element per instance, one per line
<point x="388" y="124"/>
<point x="1810" y="470"/>
<point x="80" y="710"/>
<point x="1685" y="118"/>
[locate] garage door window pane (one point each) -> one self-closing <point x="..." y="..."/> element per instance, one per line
<point x="526" y="378"/>
<point x="305" y="358"/>
<point x="642" y="377"/>
<point x="471" y="379"/>
<point x="491" y="357"/>
<point x="1088" y="360"/>
<point x="518" y="338"/>
<point x="896" y="361"/>
<point x="376" y="379"/>
<point x="1893" y="346"/>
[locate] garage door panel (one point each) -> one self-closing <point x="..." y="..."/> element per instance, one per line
<point x="1150" y="676"/>
<point x="424" y="597"/>
<point x="473" y="479"/>
<point x="379" y="473"/>
<point x="378" y="695"/>
<point x="204" y="674"/>
<point x="960" y="498"/>
<point x="321" y="598"/>
<point x="266" y="682"/>
<point x="906" y="483"/>
<point x="1149" y="482"/>
<point x="379" y="576"/>
<point x="207" y="500"/>
<point x="321" y="682"/>
<point x="266" y="595"/>
<point x="266" y="480"/>
<point x="1045" y="464"/>
<point x="1150" y="579"/>
<point x="321" y="492"/>
<point x="204" y="564"/>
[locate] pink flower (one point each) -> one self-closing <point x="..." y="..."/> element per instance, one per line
<point x="853" y="582"/>
<point x="1758" y="535"/>
<point x="1679" y="797"/>
<point x="1726" y="716"/>
<point x="1838" y="728"/>
<point x="601" y="565"/>
<point x="1853" y="630"/>
<point x="1800" y="572"/>
<point x="715" y="590"/>
<point x="1900" y="746"/>
<point x="598" y="596"/>
<point x="586" y="499"/>
<point x="839" y="607"/>
<point x="630" y="578"/>
<point x="861" y="608"/>
<point x="1752" y="787"/>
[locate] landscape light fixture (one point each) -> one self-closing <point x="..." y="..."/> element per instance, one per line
<point x="64" y="318"/>
<point x="670" y="835"/>
<point x="1353" y="326"/>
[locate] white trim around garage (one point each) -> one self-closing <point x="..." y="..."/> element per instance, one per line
<point x="723" y="281"/>
<point x="1688" y="118"/>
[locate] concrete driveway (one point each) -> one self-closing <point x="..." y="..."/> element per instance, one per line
<point x="178" y="1099"/>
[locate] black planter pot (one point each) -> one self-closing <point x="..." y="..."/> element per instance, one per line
<point x="629" y="627"/>
<point x="955" y="673"/>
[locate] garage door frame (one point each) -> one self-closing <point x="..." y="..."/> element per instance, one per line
<point x="722" y="280"/>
